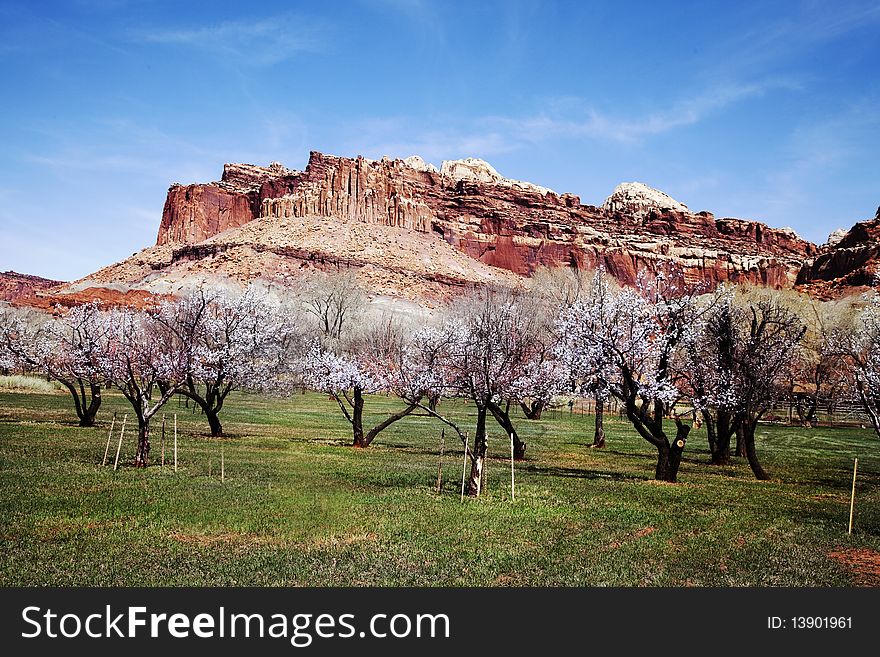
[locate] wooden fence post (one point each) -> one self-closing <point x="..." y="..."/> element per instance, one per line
<point x="512" y="481"/>
<point x="440" y="461"/>
<point x="119" y="446"/>
<point x="109" y="438"/>
<point x="484" y="475"/>
<point x="464" y="464"/>
<point x="852" y="499"/>
<point x="162" y="467"/>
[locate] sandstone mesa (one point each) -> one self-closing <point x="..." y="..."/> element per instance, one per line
<point x="414" y="232"/>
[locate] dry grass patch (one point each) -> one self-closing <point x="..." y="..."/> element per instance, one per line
<point x="863" y="563"/>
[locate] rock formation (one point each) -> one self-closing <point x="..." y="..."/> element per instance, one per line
<point x="16" y="288"/>
<point x="638" y="200"/>
<point x="35" y="292"/>
<point x="846" y="263"/>
<point x="497" y="221"/>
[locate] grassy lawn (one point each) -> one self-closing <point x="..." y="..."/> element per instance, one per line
<point x="299" y="507"/>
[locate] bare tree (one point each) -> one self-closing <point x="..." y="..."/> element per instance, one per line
<point x="332" y="300"/>
<point x="858" y="345"/>
<point x="355" y="368"/>
<point x="748" y="350"/>
<point x="768" y="334"/>
<point x="817" y="371"/>
<point x="562" y="286"/>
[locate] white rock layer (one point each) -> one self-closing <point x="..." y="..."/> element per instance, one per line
<point x="638" y="199"/>
<point x="472" y="168"/>
<point x="836" y="236"/>
<point x="417" y="163"/>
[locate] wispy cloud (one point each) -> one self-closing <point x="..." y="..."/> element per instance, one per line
<point x="594" y="124"/>
<point x="773" y="43"/>
<point x="261" y="42"/>
<point x="415" y="9"/>
<point x="566" y="119"/>
<point x="403" y="137"/>
<point x="818" y="152"/>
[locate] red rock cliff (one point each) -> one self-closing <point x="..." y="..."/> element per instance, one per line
<point x="15" y="287"/>
<point x="501" y="222"/>
<point x="851" y="263"/>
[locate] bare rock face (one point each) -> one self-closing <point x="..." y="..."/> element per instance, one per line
<point x="417" y="163"/>
<point x="481" y="171"/>
<point x="847" y="263"/>
<point x="637" y="199"/>
<point x="193" y="213"/>
<point x="35" y="292"/>
<point x="17" y="288"/>
<point x="835" y="236"/>
<point x="499" y="222"/>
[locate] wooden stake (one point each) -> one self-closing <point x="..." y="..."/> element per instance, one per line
<point x="109" y="437"/>
<point x="852" y="499"/>
<point x="512" y="480"/>
<point x="119" y="446"/>
<point x="484" y="474"/>
<point x="440" y="461"/>
<point x="464" y="465"/>
<point x="222" y="465"/>
<point x="175" y="442"/>
<point x="162" y="467"/>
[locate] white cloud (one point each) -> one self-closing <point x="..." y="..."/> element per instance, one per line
<point x="434" y="145"/>
<point x="594" y="124"/>
<point x="568" y="118"/>
<point x="261" y="42"/>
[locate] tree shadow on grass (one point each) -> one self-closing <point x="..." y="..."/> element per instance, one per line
<point x="579" y="473"/>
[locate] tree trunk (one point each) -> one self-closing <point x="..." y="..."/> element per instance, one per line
<point x="669" y="456"/>
<point x="478" y="454"/>
<point x="533" y="411"/>
<point x="387" y="422"/>
<point x="711" y="432"/>
<point x="142" y="456"/>
<point x="90" y="413"/>
<point x="599" y="433"/>
<point x="357" y="419"/>
<point x="210" y="405"/>
<point x="740" y="441"/>
<point x="503" y="419"/>
<point x="660" y="473"/>
<point x="433" y="401"/>
<point x="719" y="431"/>
<point x="752" y="454"/>
<point x="812" y="407"/>
<point x="213" y="417"/>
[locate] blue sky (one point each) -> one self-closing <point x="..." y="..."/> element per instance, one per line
<point x="764" y="110"/>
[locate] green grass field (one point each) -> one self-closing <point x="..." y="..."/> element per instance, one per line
<point x="299" y="507"/>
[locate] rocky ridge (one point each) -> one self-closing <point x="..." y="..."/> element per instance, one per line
<point x="847" y="263"/>
<point x="18" y="288"/>
<point x="495" y="220"/>
<point x="638" y="200"/>
<point x="416" y="233"/>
